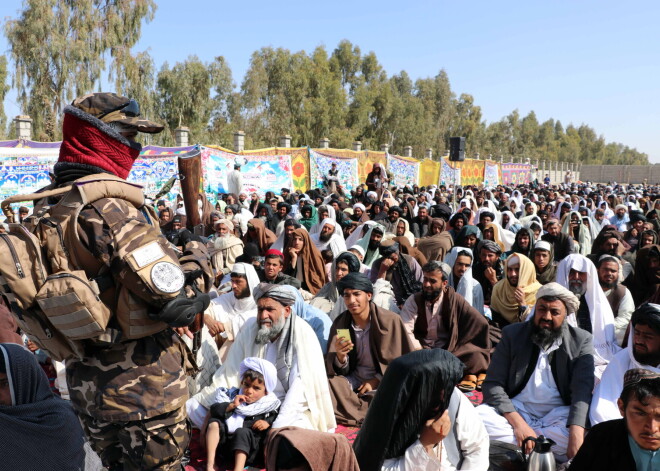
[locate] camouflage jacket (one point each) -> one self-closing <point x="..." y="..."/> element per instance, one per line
<point x="142" y="378"/>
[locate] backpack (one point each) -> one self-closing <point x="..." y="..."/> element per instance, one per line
<point x="54" y="302"/>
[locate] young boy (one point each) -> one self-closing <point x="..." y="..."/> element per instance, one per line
<point x="239" y="420"/>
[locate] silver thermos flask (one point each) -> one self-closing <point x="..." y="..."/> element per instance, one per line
<point x="541" y="457"/>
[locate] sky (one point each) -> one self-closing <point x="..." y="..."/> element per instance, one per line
<point x="591" y="62"/>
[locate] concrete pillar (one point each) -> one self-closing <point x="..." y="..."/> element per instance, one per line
<point x="476" y="156"/>
<point x="324" y="143"/>
<point x="239" y="141"/>
<point x="501" y="159"/>
<point x="428" y="154"/>
<point x="357" y="146"/>
<point x="181" y="136"/>
<point x="407" y="151"/>
<point x="285" y="141"/>
<point x="23" y="125"/>
<point x="385" y="148"/>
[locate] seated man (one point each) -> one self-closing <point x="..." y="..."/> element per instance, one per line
<point x="356" y="362"/>
<point x="291" y="345"/>
<point x="329" y="237"/>
<point x="540" y="377"/>
<point x="620" y="299"/>
<point x="488" y="269"/>
<point x="562" y="243"/>
<point x="643" y="351"/>
<point x="460" y="278"/>
<point x="546" y="270"/>
<point x="515" y="294"/>
<point x="227" y="313"/>
<point x="438" y="317"/>
<point x="225" y="248"/>
<point x="579" y="275"/>
<point x="400" y="270"/>
<point x="272" y="271"/>
<point x="630" y="443"/>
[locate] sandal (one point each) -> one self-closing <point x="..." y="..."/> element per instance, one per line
<point x="480" y="381"/>
<point x="468" y="384"/>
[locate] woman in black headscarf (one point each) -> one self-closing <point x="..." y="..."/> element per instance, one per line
<point x="415" y="389"/>
<point x="38" y="430"/>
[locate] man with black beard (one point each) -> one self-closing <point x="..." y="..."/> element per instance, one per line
<point x="488" y="269"/>
<point x="619" y="297"/>
<point x="393" y="216"/>
<point x="372" y="252"/>
<point x="643" y="351"/>
<point x="562" y="243"/>
<point x="421" y="222"/>
<point x="540" y="378"/>
<point x="438" y="317"/>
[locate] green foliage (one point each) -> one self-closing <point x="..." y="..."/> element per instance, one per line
<point x="59" y="49"/>
<point x="4" y="88"/>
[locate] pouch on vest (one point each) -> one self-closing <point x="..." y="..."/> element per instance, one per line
<point x="55" y="304"/>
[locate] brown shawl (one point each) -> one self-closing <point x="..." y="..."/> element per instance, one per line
<point x="264" y="237"/>
<point x="408" y="249"/>
<point x="314" y="274"/>
<point x="468" y="330"/>
<point x="321" y="450"/>
<point x="388" y="339"/>
<point x="436" y="246"/>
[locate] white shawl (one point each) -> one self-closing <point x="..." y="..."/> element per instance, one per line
<point x="467" y="286"/>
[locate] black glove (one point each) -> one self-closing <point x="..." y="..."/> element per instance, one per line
<point x="187" y="236"/>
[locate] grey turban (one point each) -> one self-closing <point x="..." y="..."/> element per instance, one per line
<point x="556" y="290"/>
<point x="489" y="245"/>
<point x="277" y="292"/>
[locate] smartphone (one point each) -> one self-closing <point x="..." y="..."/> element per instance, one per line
<point x="344" y="334"/>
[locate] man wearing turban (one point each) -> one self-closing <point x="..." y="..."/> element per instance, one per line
<point x="643" y="351"/>
<point x="291" y="345"/>
<point x="356" y="362"/>
<point x="540" y="377"/>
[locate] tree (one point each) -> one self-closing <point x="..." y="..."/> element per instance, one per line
<point x="58" y="48"/>
<point x="4" y="89"/>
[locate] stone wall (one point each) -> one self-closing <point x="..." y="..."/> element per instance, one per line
<point x="621" y="173"/>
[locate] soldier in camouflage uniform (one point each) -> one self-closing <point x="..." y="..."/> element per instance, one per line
<point x="130" y="392"/>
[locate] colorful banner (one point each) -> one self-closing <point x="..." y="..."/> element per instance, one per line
<point x="402" y="171"/>
<point x="472" y="172"/>
<point x="491" y="174"/>
<point x="299" y="163"/>
<point x="261" y="173"/>
<point x="449" y="175"/>
<point x="516" y="174"/>
<point x="153" y="172"/>
<point x="429" y="172"/>
<point x="320" y="164"/>
<point x="24" y="171"/>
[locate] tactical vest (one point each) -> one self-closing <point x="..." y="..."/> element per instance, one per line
<point x="62" y="296"/>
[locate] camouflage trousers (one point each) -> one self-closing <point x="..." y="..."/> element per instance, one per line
<point x="157" y="443"/>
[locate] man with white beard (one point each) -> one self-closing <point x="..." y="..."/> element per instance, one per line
<point x="227" y="313"/>
<point x="579" y="275"/>
<point x="330" y="237"/>
<point x="226" y="248"/>
<point x="291" y="345"/>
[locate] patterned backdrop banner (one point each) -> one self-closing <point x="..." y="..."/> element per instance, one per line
<point x="472" y="172"/>
<point x="24" y="170"/>
<point x="491" y="173"/>
<point x="153" y="172"/>
<point x="261" y="173"/>
<point x="429" y="172"/>
<point x="449" y="175"/>
<point x="299" y="163"/>
<point x="516" y="174"/>
<point x="319" y="164"/>
<point x="402" y="171"/>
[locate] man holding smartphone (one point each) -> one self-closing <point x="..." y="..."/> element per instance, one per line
<point x="364" y="340"/>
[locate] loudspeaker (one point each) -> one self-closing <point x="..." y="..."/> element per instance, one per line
<point x="457" y="149"/>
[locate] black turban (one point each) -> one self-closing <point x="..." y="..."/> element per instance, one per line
<point x="397" y="209"/>
<point x="647" y="314"/>
<point x="349" y="259"/>
<point x="355" y="281"/>
<point x="282" y="204"/>
<point x="488" y="214"/>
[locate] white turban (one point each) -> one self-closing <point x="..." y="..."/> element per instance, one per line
<point x="556" y="290"/>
